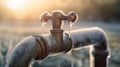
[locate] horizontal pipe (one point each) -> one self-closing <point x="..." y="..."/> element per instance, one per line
<point x="40" y="46"/>
<point x="88" y="36"/>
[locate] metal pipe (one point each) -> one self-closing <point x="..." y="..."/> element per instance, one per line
<point x="96" y="37"/>
<point x="39" y="47"/>
<point x="23" y="53"/>
<point x="88" y="36"/>
<point x="35" y="47"/>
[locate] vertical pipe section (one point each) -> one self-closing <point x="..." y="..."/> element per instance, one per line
<point x="100" y="54"/>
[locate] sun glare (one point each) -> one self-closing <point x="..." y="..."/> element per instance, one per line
<point x="22" y="8"/>
<point x="16" y="4"/>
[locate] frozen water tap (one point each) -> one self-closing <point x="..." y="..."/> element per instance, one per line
<point x="38" y="47"/>
<point x="57" y="33"/>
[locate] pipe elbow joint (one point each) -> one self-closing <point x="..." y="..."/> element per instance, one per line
<point x="91" y="36"/>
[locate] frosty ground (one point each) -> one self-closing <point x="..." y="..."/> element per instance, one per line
<point x="12" y="33"/>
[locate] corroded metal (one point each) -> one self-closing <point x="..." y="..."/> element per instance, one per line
<point x="43" y="48"/>
<point x="57" y="17"/>
<point x="57" y="33"/>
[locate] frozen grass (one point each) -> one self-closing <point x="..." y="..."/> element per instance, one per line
<point x="11" y="34"/>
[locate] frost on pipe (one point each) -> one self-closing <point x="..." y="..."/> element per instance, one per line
<point x="38" y="47"/>
<point x="23" y="53"/>
<point x="85" y="37"/>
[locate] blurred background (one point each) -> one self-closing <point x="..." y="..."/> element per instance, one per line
<point x="20" y="18"/>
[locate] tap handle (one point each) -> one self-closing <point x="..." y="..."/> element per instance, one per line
<point x="72" y="16"/>
<point x="57" y="17"/>
<point x="45" y="16"/>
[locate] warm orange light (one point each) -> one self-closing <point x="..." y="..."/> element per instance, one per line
<point x="16" y="4"/>
<point x="23" y="8"/>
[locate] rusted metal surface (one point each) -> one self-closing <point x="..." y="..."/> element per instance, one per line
<point x="57" y="33"/>
<point x="43" y="48"/>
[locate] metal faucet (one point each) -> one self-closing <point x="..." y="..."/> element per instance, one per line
<point x="57" y="33"/>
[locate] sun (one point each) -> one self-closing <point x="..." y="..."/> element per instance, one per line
<point x="16" y="4"/>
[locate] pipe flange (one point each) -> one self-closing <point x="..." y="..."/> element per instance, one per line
<point x="43" y="48"/>
<point x="100" y="54"/>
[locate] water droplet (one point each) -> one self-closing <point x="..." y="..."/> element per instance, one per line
<point x="70" y="27"/>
